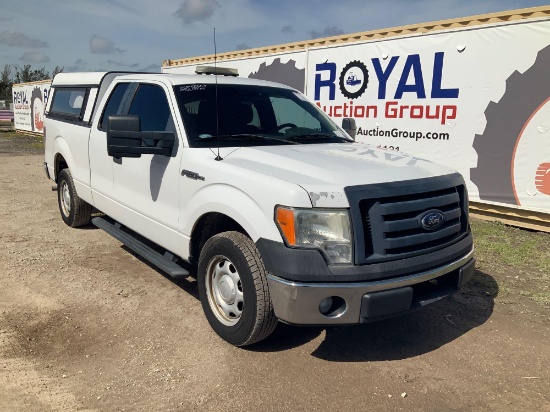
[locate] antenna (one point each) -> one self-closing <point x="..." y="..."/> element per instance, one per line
<point x="218" y="157"/>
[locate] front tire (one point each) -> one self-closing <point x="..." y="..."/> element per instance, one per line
<point x="74" y="211"/>
<point x="233" y="289"/>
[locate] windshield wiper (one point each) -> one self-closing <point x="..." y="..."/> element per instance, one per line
<point x="247" y="136"/>
<point x="317" y="135"/>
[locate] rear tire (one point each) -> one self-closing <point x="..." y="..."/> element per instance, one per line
<point x="74" y="211"/>
<point x="233" y="289"/>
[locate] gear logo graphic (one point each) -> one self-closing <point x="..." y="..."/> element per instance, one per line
<point x="526" y="94"/>
<point x="354" y="79"/>
<point x="285" y="73"/>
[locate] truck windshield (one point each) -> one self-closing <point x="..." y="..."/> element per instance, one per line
<point x="247" y="115"/>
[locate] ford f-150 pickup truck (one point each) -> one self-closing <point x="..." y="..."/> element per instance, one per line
<point x="249" y="187"/>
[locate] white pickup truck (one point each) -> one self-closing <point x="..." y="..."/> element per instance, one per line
<point x="249" y="187"/>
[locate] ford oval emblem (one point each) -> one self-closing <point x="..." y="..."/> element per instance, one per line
<point x="432" y="219"/>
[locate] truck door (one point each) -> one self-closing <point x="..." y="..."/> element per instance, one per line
<point x="101" y="164"/>
<point x="147" y="187"/>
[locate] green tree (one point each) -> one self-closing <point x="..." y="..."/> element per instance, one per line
<point x="27" y="74"/>
<point x="56" y="70"/>
<point x="6" y="82"/>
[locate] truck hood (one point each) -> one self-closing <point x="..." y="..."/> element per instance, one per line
<point x="324" y="170"/>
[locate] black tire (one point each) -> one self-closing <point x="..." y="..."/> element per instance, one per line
<point x="252" y="322"/>
<point x="74" y="211"/>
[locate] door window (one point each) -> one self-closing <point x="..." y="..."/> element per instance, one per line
<point x="151" y="105"/>
<point x="114" y="105"/>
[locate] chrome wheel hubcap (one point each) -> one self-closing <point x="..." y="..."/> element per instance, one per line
<point x="225" y="291"/>
<point x="65" y="198"/>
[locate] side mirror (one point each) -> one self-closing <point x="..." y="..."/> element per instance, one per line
<point x="348" y="124"/>
<point x="125" y="138"/>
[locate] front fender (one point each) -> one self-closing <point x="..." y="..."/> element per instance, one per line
<point x="236" y="204"/>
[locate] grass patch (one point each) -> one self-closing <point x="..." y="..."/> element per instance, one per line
<point x="518" y="259"/>
<point x="39" y="145"/>
<point x="18" y="142"/>
<point x="514" y="247"/>
<point x="542" y="299"/>
<point x="8" y="133"/>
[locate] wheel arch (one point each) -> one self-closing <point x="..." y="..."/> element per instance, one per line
<point x="208" y="214"/>
<point x="209" y="225"/>
<point x="62" y="158"/>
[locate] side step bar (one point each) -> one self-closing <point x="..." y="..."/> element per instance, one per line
<point x="162" y="262"/>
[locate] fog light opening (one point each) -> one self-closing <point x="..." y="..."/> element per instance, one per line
<point x="332" y="307"/>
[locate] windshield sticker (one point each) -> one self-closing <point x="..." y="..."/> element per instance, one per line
<point x="192" y="87"/>
<point x="204" y="136"/>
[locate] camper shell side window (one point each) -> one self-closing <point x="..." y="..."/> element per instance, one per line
<point x="69" y="103"/>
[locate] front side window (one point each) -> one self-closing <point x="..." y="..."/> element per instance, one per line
<point x="151" y="105"/>
<point x="114" y="105"/>
<point x="246" y="115"/>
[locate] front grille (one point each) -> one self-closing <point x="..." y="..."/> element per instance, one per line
<point x="390" y="222"/>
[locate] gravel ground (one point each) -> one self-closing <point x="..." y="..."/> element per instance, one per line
<point x="85" y="325"/>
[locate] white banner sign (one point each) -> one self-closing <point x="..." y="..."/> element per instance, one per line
<point x="29" y="101"/>
<point x="477" y="100"/>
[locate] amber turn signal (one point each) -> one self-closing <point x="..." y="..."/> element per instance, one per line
<point x="285" y="221"/>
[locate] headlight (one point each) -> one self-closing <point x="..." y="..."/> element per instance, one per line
<point x="328" y="230"/>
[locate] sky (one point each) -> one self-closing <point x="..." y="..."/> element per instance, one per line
<point x="137" y="35"/>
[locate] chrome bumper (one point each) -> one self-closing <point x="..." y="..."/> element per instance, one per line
<point x="299" y="303"/>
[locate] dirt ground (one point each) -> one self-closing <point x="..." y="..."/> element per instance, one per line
<point x="87" y="326"/>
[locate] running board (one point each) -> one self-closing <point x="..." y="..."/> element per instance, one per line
<point x="163" y="262"/>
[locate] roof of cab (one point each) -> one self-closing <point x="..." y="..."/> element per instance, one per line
<point x="95" y="78"/>
<point x="183" y="79"/>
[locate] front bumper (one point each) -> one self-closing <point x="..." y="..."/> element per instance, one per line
<point x="299" y="302"/>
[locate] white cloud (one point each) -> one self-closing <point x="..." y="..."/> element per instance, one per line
<point x="113" y="63"/>
<point x="101" y="45"/>
<point x="35" y="57"/>
<point x="18" y="39"/>
<point x="110" y="64"/>
<point x="152" y="68"/>
<point x="78" y="66"/>
<point x="327" y="32"/>
<point x="191" y="11"/>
